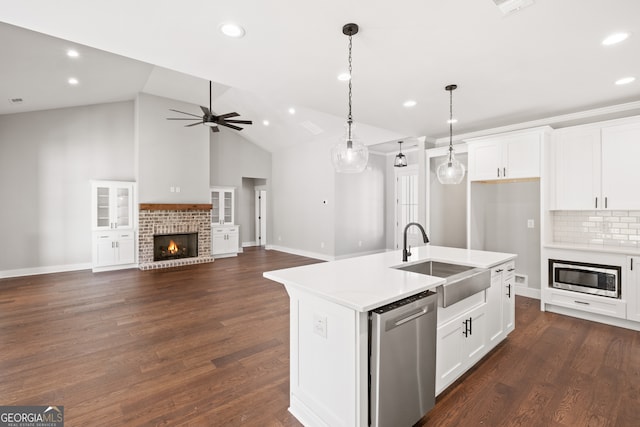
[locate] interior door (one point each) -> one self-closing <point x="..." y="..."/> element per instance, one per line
<point x="261" y="217"/>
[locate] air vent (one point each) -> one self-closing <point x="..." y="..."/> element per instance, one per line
<point x="312" y="127"/>
<point x="511" y="6"/>
<point x="15" y="100"/>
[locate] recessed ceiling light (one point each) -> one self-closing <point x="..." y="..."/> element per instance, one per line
<point x="265" y="122"/>
<point x="615" y="38"/>
<point x="73" y="81"/>
<point x="292" y="110"/>
<point x="625" y="80"/>
<point x="72" y="53"/>
<point x="452" y="121"/>
<point x="409" y="103"/>
<point x="230" y="29"/>
<point x="343" y="77"/>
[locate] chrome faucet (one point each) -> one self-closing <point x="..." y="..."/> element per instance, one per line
<point x="407" y="253"/>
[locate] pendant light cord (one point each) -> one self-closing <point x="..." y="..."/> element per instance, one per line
<point x="349" y="117"/>
<point x="450" y="125"/>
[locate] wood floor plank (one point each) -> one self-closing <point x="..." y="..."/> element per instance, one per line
<point x="208" y="345"/>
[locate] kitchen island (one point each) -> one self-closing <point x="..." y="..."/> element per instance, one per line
<point x="329" y="306"/>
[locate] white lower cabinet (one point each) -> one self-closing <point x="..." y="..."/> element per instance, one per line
<point x="461" y="343"/>
<point x="483" y="321"/>
<point x="224" y="241"/>
<point x="632" y="287"/>
<point x="113" y="249"/>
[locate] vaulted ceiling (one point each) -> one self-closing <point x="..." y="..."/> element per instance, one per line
<point x="544" y="60"/>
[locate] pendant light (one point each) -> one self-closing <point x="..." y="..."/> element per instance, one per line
<point x="451" y="171"/>
<point x="401" y="159"/>
<point x="349" y="155"/>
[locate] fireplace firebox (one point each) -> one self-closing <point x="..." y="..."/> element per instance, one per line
<point x="175" y="246"/>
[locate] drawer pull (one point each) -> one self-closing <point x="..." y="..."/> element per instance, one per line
<point x="582" y="302"/>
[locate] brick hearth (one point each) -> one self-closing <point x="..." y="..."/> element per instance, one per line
<point x="172" y="219"/>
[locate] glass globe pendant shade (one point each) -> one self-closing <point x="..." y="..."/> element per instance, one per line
<point x="400" y="161"/>
<point x="349" y="156"/>
<point x="451" y="171"/>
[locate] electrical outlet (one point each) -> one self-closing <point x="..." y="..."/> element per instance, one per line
<point x="172" y="189"/>
<point x="320" y="325"/>
<point x="177" y="189"/>
<point x="530" y="223"/>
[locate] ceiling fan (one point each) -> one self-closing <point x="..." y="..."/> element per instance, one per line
<point x="210" y="119"/>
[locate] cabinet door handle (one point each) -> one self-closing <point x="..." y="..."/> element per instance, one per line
<point x="470" y="325"/>
<point x="465" y="331"/>
<point x="498" y="172"/>
<point x="504" y="172"/>
<point x="499" y="270"/>
<point x="631" y="264"/>
<point x="605" y="202"/>
<point x="596" y="203"/>
<point x="511" y="269"/>
<point x="509" y="290"/>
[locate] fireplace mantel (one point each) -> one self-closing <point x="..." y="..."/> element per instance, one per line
<point x="175" y="207"/>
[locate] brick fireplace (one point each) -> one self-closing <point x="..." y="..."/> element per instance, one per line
<point x="178" y="219"/>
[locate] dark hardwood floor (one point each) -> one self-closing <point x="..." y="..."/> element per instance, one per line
<point x="208" y="345"/>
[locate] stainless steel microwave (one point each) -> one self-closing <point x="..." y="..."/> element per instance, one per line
<point x="587" y="278"/>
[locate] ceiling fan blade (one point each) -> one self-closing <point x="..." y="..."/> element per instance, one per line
<point x="185" y="118"/>
<point x="230" y="126"/>
<point x="215" y="129"/>
<point x="205" y="110"/>
<point x="193" y="124"/>
<point x="182" y="112"/>
<point x="243" y="122"/>
<point x="224" y="116"/>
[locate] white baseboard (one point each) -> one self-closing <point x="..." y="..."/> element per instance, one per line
<point x="526" y="291"/>
<point x="362" y="254"/>
<point x="44" y="270"/>
<point x="248" y="244"/>
<point x="299" y="252"/>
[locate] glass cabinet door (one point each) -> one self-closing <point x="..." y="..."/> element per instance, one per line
<point x="228" y="207"/>
<point x="215" y="207"/>
<point x="123" y="208"/>
<point x="103" y="204"/>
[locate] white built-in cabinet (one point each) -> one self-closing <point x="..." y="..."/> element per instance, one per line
<point x="222" y="200"/>
<point x="113" y="225"/>
<point x="513" y="155"/>
<point x="469" y="329"/>
<point x="594" y="165"/>
<point x="225" y="235"/>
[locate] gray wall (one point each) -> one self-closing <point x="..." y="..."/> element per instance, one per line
<point x="499" y="214"/>
<point x="170" y="155"/>
<point x="237" y="162"/>
<point x="360" y="209"/>
<point x="47" y="159"/>
<point x="447" y="208"/>
<point x="303" y="179"/>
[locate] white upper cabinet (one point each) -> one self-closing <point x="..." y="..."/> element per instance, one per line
<point x="222" y="206"/>
<point x="621" y="166"/>
<point x="112" y="205"/>
<point x="594" y="165"/>
<point x="513" y="155"/>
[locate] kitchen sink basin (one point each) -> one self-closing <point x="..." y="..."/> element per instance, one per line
<point x="461" y="281"/>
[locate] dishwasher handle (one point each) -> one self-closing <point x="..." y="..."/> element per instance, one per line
<point x="407" y="317"/>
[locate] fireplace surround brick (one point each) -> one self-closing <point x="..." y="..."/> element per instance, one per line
<point x="172" y="221"/>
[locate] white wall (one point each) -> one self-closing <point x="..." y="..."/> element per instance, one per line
<point x="360" y="209"/>
<point x="47" y="159"/>
<point x="169" y="154"/>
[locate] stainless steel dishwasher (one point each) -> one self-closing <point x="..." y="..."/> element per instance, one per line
<point x="402" y="360"/>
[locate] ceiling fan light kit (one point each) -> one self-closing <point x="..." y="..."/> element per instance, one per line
<point x="349" y="155"/>
<point x="210" y="119"/>
<point x="451" y="171"/>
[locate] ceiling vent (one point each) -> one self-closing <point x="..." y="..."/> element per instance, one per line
<point x="312" y="127"/>
<point x="15" y="100"/>
<point x="510" y="6"/>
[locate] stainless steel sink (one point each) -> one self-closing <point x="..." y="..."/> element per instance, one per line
<point x="461" y="281"/>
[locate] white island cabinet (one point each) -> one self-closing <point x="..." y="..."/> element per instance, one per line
<point x="329" y="305"/>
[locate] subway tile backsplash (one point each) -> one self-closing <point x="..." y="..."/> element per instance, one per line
<point x="599" y="228"/>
